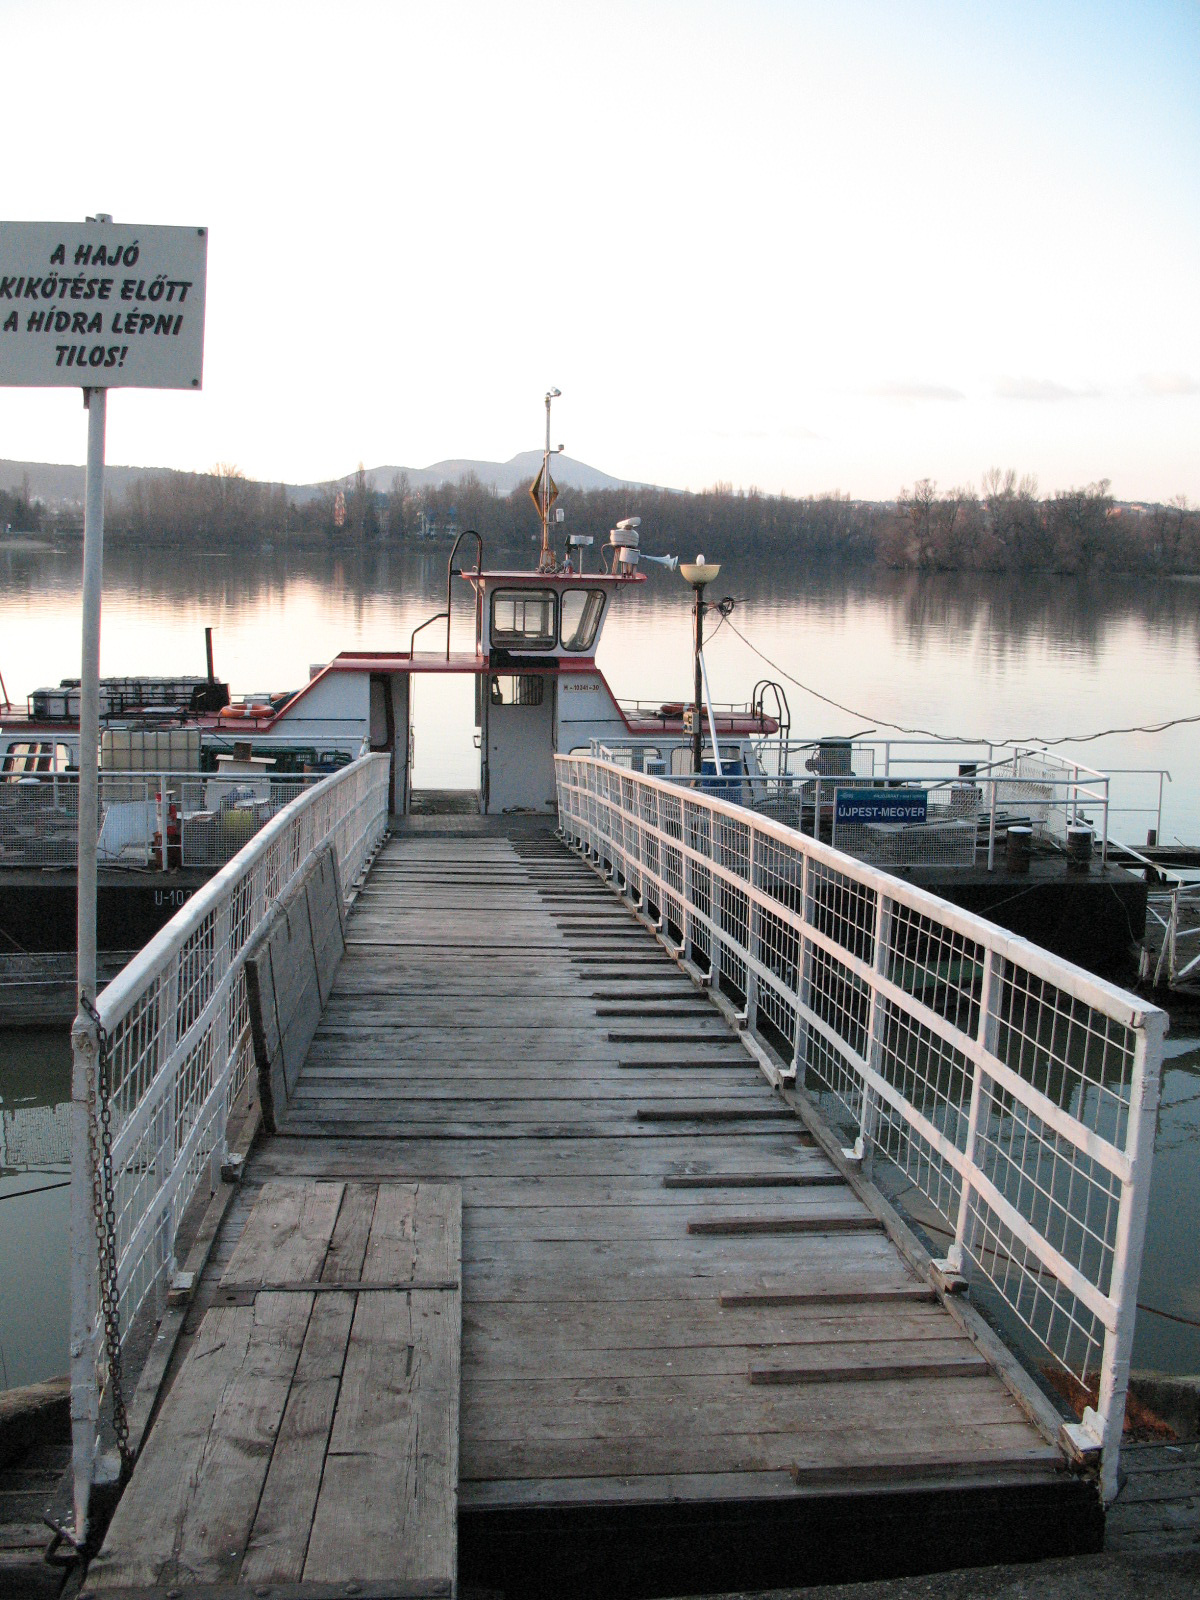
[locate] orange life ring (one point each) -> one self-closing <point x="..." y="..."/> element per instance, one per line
<point x="237" y="713"/>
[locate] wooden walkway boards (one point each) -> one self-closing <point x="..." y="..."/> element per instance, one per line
<point x="311" y="1436"/>
<point x="691" y="1356"/>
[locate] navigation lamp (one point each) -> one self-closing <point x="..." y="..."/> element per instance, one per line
<point x="699" y="573"/>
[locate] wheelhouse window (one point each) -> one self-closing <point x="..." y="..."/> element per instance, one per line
<point x="581" y="613"/>
<point x="525" y="619"/>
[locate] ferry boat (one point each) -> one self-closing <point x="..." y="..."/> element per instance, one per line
<point x="538" y="689"/>
<point x="188" y="774"/>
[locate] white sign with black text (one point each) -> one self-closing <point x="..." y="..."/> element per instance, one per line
<point x="101" y="305"/>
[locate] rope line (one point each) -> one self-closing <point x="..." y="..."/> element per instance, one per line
<point x="41" y="1188"/>
<point x="960" y="738"/>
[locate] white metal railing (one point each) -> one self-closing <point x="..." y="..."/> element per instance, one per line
<point x="160" y="819"/>
<point x="1016" y="1091"/>
<point x="1176" y="911"/>
<point x="180" y="1056"/>
<point x="1135" y="797"/>
<point x="968" y="803"/>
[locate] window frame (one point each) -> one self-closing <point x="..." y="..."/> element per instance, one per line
<point x="579" y="646"/>
<point x="506" y="639"/>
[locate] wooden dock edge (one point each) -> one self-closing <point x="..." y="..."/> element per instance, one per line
<point x="28" y="1412"/>
<point x="788" y="1536"/>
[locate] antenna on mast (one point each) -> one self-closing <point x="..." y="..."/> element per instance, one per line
<point x="544" y="491"/>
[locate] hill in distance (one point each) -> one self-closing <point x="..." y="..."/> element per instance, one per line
<point x="51" y="482"/>
<point x="504" y="476"/>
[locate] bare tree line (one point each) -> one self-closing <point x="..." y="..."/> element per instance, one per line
<point x="1005" y="525"/>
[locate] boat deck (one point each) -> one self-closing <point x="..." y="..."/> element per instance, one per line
<point x="691" y="1356"/>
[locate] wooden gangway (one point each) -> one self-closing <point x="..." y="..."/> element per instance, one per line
<point x="696" y="1350"/>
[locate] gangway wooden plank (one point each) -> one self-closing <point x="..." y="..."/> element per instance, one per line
<point x="311" y="1435"/>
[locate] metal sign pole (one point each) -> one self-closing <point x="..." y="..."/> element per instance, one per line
<point x="85" y="1399"/>
<point x="96" y="401"/>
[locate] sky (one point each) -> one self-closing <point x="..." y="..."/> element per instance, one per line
<point x="802" y="246"/>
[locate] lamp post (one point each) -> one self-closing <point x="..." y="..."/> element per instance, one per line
<point x="699" y="574"/>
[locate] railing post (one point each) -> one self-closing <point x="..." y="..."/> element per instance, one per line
<point x="1106" y="1422"/>
<point x="660" y="871"/>
<point x="801" y="958"/>
<point x="1158" y="818"/>
<point x="992" y="828"/>
<point x="85" y="1389"/>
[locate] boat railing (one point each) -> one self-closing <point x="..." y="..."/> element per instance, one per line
<point x="966" y="804"/>
<point x="453" y="572"/>
<point x="146" y="819"/>
<point x="1174" y="910"/>
<point x="177" y="1058"/>
<point x="1015" y="1092"/>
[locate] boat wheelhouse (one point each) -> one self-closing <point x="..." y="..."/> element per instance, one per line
<point x="538" y="689"/>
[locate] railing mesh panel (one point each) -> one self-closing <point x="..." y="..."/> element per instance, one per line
<point x="1014" y="1092"/>
<point x="936" y="965"/>
<point x="1070" y="1051"/>
<point x="180" y="1053"/>
<point x="1061" y="1323"/>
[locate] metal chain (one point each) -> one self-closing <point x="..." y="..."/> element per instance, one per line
<point x="104" y="1213"/>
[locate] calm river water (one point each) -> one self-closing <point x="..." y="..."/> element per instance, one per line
<point x="963" y="655"/>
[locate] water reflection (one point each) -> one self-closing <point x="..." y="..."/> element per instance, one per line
<point x="35" y="1084"/>
<point x="1168" y="1325"/>
<point x="1006" y="611"/>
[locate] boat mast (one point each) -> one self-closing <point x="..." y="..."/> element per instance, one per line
<point x="547" y="562"/>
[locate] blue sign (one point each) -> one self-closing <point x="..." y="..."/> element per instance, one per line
<point x="880" y="805"/>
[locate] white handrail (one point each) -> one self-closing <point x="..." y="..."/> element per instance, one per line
<point x="1017" y="1091"/>
<point x="179" y="1058"/>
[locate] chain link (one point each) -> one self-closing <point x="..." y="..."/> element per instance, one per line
<point x="104" y="1213"/>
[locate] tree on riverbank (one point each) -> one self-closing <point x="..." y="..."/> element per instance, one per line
<point x="18" y="512"/>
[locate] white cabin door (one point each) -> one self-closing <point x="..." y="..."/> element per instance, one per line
<point x="520" y="742"/>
